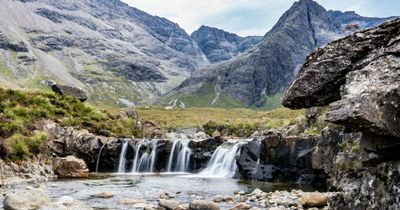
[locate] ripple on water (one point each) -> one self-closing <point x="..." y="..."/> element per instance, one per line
<point x="148" y="187"/>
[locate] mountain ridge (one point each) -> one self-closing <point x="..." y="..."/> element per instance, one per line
<point x="265" y="71"/>
<point x="219" y="45"/>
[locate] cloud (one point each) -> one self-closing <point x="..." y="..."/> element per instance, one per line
<point x="248" y="17"/>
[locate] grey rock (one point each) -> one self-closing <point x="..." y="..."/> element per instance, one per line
<point x="69" y="91"/>
<point x="30" y="198"/>
<point x="358" y="77"/>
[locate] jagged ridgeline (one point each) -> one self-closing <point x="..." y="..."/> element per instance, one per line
<point x="123" y="56"/>
<point x="257" y="77"/>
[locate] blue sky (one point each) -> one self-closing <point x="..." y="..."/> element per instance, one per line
<point x="250" y="17"/>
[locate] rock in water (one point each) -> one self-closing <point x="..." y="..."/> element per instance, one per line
<point x="30" y="198"/>
<point x="168" y="204"/>
<point x="69" y="91"/>
<point x="103" y="195"/>
<point x="70" y="167"/>
<point x="66" y="203"/>
<point x="314" y="200"/>
<point x="358" y="77"/>
<point x="203" y="205"/>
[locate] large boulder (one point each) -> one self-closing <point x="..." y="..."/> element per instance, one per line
<point x="69" y="91"/>
<point x="358" y="77"/>
<point x="29" y="198"/>
<point x="70" y="167"/>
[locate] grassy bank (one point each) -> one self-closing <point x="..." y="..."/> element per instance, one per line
<point x="21" y="111"/>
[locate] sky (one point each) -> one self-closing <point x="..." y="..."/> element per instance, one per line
<point x="249" y="17"/>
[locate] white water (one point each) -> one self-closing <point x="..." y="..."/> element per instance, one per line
<point x="179" y="157"/>
<point x="223" y="162"/>
<point x="144" y="162"/>
<point x="98" y="158"/>
<point x="122" y="159"/>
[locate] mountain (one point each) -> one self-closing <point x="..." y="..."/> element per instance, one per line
<point x="258" y="77"/>
<point x="352" y="18"/>
<point x="219" y="45"/>
<point x="117" y="53"/>
<point x="266" y="69"/>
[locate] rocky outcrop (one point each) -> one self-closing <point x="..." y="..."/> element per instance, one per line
<point x="66" y="203"/>
<point x="70" y="167"/>
<point x="219" y="45"/>
<point x="282" y="158"/>
<point x="202" y="151"/>
<point x="69" y="91"/>
<point x="358" y="78"/>
<point x="25" y="172"/>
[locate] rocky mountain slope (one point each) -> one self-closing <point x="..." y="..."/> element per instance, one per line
<point x="118" y="53"/>
<point x="358" y="78"/>
<point x="352" y="18"/>
<point x="265" y="70"/>
<point x="219" y="45"/>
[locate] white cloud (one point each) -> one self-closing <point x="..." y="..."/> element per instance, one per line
<point x="248" y="17"/>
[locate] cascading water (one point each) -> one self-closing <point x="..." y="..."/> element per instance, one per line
<point x="179" y="157"/>
<point x="122" y="159"/>
<point x="223" y="161"/>
<point x="98" y="158"/>
<point x="144" y="162"/>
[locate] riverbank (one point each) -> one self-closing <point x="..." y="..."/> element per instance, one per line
<point x="155" y="191"/>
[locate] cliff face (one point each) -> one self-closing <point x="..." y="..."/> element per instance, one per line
<point x="219" y="45"/>
<point x="268" y="68"/>
<point x="118" y="53"/>
<point x="358" y="78"/>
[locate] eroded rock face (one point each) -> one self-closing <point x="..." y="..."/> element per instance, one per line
<point x="280" y="158"/>
<point x="358" y="77"/>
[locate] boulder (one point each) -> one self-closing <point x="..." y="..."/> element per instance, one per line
<point x="241" y="206"/>
<point x="29" y="198"/>
<point x="203" y="205"/>
<point x="69" y="91"/>
<point x="70" y="167"/>
<point x="358" y="77"/>
<point x="168" y="204"/>
<point x="314" y="200"/>
<point x="66" y="203"/>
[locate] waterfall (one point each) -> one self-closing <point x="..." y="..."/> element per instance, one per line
<point x="144" y="162"/>
<point x="179" y="156"/>
<point x="223" y="161"/>
<point x="98" y="158"/>
<point x="122" y="159"/>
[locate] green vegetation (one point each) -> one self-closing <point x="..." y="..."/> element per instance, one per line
<point x="20" y="147"/>
<point x="238" y="121"/>
<point x="21" y="111"/>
